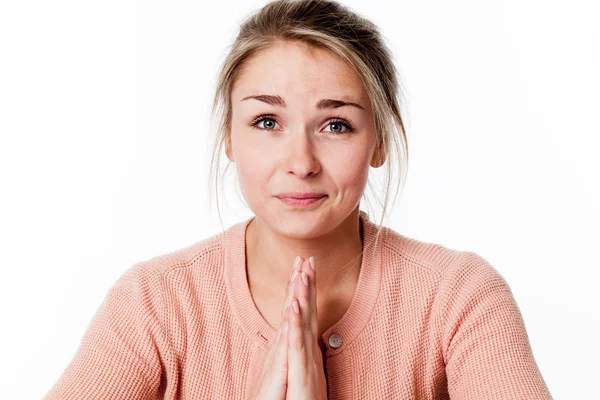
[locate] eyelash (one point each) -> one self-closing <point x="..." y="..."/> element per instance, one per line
<point x="258" y="119"/>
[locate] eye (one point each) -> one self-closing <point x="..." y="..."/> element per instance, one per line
<point x="337" y="124"/>
<point x="340" y="124"/>
<point x="264" y="118"/>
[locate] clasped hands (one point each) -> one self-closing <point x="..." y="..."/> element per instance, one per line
<point x="293" y="369"/>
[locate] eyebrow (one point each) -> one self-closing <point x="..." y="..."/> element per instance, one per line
<point x="321" y="104"/>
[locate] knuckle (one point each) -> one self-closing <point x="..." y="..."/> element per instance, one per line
<point x="307" y="326"/>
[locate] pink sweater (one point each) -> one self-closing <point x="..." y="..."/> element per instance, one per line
<point x="426" y="322"/>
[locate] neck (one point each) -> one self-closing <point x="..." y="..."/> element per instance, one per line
<point x="337" y="256"/>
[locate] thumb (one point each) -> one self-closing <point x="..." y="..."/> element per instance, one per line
<point x="281" y="355"/>
<point x="280" y="363"/>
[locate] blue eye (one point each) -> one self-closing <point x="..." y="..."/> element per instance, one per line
<point x="340" y="122"/>
<point x="263" y="119"/>
<point x="268" y="118"/>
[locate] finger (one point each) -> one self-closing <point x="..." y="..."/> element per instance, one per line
<point x="296" y="345"/>
<point x="302" y="294"/>
<point x="312" y="279"/>
<point x="289" y="289"/>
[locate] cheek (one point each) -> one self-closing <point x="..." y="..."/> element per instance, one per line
<point x="252" y="169"/>
<point x="351" y="170"/>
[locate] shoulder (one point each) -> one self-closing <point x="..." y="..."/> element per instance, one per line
<point x="188" y="256"/>
<point x="149" y="275"/>
<point x="462" y="287"/>
<point x="433" y="258"/>
<point x="450" y="267"/>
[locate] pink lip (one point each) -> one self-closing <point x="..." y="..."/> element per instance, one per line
<point x="301" y="202"/>
<point x="299" y="195"/>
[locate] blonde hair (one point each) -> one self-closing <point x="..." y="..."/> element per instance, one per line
<point x="328" y="25"/>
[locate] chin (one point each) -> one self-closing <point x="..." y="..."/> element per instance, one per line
<point x="299" y="225"/>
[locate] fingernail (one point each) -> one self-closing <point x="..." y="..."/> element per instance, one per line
<point x="296" y="262"/>
<point x="312" y="263"/>
<point x="295" y="305"/>
<point x="304" y="278"/>
<point x="294" y="274"/>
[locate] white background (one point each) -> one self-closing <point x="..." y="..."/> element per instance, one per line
<point x="104" y="116"/>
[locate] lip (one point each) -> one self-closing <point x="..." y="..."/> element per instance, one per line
<point x="299" y="195"/>
<point x="301" y="202"/>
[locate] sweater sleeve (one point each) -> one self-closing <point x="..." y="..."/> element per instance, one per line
<point x="484" y="341"/>
<point x="118" y="356"/>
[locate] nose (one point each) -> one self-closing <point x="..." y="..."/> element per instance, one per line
<point x="301" y="157"/>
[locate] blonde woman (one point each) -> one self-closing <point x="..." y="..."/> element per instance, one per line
<point x="308" y="299"/>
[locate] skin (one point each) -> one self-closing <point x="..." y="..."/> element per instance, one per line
<point x="298" y="148"/>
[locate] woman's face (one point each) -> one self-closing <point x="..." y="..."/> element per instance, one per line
<point x="302" y="143"/>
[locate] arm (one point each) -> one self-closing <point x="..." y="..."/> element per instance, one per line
<point x="484" y="341"/>
<point x="118" y="357"/>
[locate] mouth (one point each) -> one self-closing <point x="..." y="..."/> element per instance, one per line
<point x="302" y="202"/>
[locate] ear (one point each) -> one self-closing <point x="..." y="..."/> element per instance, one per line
<point x="378" y="158"/>
<point x="228" y="149"/>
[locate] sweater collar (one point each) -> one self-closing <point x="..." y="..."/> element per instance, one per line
<point x="251" y="321"/>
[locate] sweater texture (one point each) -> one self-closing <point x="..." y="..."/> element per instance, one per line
<point x="425" y="322"/>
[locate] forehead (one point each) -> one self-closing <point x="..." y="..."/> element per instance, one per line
<point x="293" y="69"/>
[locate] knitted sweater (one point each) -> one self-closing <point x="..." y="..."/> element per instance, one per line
<point x="425" y="322"/>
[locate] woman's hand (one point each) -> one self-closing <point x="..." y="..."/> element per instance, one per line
<point x="306" y="377"/>
<point x="272" y="382"/>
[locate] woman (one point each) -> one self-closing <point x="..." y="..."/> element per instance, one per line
<point x="308" y="299"/>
